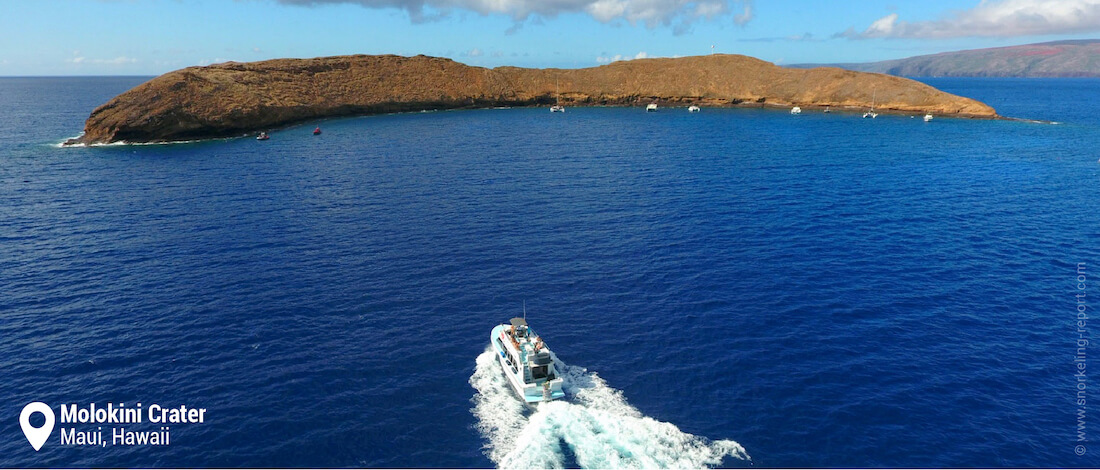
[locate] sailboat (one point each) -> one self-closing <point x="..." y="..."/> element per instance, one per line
<point x="557" y="107"/>
<point x="871" y="114"/>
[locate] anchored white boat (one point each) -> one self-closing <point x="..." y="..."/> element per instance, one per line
<point x="651" y="107"/>
<point x="557" y="107"/>
<point x="927" y="117"/>
<point x="527" y="362"/>
<point x="796" y="110"/>
<point x="871" y="114"/>
<point x="693" y="109"/>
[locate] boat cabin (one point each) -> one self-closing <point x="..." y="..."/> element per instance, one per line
<point x="527" y="362"/>
<point x="531" y="351"/>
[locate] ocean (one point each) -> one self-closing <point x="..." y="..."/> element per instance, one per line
<point x="735" y="287"/>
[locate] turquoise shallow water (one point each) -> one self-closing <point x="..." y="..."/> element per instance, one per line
<point x="819" y="290"/>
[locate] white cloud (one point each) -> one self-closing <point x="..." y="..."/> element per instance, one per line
<point x="882" y="26"/>
<point x="606" y="10"/>
<point x="993" y="18"/>
<point x="711" y="9"/>
<point x="745" y="16"/>
<point x="120" y="60"/>
<point x="217" y="60"/>
<point x="475" y="52"/>
<point x="607" y="59"/>
<point x="652" y="13"/>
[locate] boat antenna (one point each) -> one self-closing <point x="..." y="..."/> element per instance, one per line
<point x="524" y="309"/>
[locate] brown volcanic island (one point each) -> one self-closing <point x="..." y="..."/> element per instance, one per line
<point x="233" y="99"/>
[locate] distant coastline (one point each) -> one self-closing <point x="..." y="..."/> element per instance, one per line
<point x="235" y="99"/>
<point x="1058" y="59"/>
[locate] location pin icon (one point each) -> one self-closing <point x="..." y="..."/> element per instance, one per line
<point x="36" y="436"/>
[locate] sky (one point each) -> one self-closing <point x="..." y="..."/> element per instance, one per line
<point x="151" y="37"/>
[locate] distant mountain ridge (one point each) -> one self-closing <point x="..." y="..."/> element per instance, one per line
<point x="1072" y="58"/>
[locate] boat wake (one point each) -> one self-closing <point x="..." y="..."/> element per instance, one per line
<point x="596" y="429"/>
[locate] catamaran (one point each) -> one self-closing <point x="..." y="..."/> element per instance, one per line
<point x="557" y="107"/>
<point x="871" y="114"/>
<point x="527" y="362"/>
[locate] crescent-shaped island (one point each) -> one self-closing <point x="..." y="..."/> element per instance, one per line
<point x="234" y="99"/>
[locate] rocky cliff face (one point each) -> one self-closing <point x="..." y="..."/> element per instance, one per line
<point x="234" y="99"/>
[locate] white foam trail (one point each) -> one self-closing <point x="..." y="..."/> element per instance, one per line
<point x="500" y="414"/>
<point x="123" y="143"/>
<point x="598" y="426"/>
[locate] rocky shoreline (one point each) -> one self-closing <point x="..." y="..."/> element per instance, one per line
<point x="235" y="99"/>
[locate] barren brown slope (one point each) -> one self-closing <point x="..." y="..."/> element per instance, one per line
<point x="233" y="99"/>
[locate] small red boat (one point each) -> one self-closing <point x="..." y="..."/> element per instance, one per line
<point x="317" y="131"/>
<point x="262" y="136"/>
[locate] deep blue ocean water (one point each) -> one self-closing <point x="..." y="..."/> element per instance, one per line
<point x="814" y="290"/>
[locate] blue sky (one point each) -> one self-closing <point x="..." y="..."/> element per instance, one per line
<point x="150" y="37"/>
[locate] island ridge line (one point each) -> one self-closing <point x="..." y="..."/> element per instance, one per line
<point x="234" y="99"/>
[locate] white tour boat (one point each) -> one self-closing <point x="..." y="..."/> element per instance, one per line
<point x="796" y="110"/>
<point x="651" y="107"/>
<point x="693" y="109"/>
<point x="527" y="362"/>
